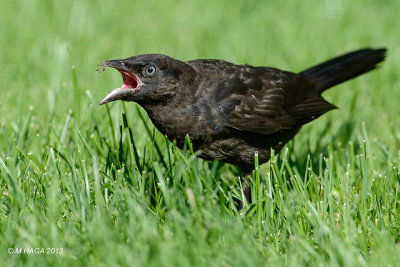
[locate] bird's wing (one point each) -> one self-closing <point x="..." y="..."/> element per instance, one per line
<point x="269" y="100"/>
<point x="259" y="99"/>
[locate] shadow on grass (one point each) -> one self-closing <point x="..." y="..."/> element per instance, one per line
<point x="301" y="160"/>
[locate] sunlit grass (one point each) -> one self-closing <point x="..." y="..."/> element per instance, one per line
<point x="105" y="186"/>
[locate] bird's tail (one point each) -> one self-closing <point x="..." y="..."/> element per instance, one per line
<point x="343" y="68"/>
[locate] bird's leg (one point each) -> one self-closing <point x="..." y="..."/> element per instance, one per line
<point x="246" y="188"/>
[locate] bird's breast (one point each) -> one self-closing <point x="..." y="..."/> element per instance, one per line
<point x="178" y="122"/>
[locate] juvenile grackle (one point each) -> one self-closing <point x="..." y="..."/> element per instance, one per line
<point x="230" y="111"/>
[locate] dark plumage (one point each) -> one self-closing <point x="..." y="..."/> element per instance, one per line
<point x="232" y="111"/>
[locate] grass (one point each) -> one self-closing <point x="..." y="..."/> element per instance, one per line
<point x="106" y="188"/>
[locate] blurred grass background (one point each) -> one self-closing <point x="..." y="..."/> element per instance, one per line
<point x="112" y="192"/>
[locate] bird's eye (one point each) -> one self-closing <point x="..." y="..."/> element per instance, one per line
<point x="150" y="70"/>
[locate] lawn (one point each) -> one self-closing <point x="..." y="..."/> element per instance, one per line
<point x="90" y="185"/>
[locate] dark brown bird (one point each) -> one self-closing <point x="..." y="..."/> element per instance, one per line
<point x="230" y="111"/>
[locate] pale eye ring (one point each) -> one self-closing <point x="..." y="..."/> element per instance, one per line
<point x="150" y="70"/>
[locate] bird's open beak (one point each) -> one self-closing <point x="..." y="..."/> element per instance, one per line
<point x="115" y="94"/>
<point x="131" y="82"/>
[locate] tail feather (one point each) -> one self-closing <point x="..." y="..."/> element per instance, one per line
<point x="343" y="68"/>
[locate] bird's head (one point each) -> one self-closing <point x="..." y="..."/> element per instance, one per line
<point x="148" y="78"/>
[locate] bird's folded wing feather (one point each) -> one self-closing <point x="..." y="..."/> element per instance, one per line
<point x="274" y="100"/>
<point x="263" y="114"/>
<point x="260" y="99"/>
